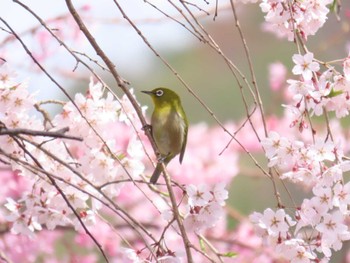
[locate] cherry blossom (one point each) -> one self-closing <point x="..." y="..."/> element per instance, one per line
<point x="275" y="223"/>
<point x="220" y="194"/>
<point x="296" y="251"/>
<point x="341" y="197"/>
<point x="304" y="65"/>
<point x="198" y="196"/>
<point x="308" y="214"/>
<point x="131" y="255"/>
<point x="334" y="232"/>
<point x="205" y="208"/>
<point x="323" y="198"/>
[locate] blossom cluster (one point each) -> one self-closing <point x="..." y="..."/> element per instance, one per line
<point x="319" y="222"/>
<point x="302" y="163"/>
<point x="205" y="208"/>
<point x="284" y="18"/>
<point x="203" y="211"/>
<point x="42" y="204"/>
<point x="314" y="229"/>
<point x="317" y="91"/>
<point x="62" y="183"/>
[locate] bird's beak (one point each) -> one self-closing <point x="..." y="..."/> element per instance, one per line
<point x="147" y="92"/>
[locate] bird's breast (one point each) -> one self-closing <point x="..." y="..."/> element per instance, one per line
<point x="168" y="129"/>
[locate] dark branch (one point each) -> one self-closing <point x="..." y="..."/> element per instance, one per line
<point x="54" y="134"/>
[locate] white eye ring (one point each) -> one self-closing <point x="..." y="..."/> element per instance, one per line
<point x="159" y="93"/>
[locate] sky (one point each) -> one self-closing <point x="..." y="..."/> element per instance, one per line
<point x="161" y="33"/>
<point x="113" y="33"/>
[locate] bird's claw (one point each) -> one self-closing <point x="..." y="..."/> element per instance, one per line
<point x="147" y="127"/>
<point x="161" y="159"/>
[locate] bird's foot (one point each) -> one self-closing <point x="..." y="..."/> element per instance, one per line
<point x="161" y="158"/>
<point x="147" y="127"/>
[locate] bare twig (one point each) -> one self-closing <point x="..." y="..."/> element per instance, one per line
<point x="177" y="216"/>
<point x="4" y="258"/>
<point x="252" y="72"/>
<point x="54" y="134"/>
<point x="212" y="248"/>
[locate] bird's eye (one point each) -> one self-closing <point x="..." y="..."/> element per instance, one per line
<point x="159" y="93"/>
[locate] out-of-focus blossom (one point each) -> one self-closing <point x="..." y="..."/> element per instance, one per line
<point x="277" y="75"/>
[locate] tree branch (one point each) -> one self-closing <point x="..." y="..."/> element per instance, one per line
<point x="54" y="134"/>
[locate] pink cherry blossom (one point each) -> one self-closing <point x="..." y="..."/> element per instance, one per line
<point x="198" y="196"/>
<point x="323" y="198"/>
<point x="220" y="194"/>
<point x="205" y="208"/>
<point x="304" y="65"/>
<point x="341" y="197"/>
<point x="346" y="68"/>
<point x="275" y="222"/>
<point x="334" y="232"/>
<point x="308" y="214"/>
<point x="295" y="250"/>
<point x="323" y="151"/>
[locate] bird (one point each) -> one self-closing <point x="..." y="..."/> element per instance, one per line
<point x="169" y="127"/>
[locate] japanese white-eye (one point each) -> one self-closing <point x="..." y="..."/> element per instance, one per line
<point x="169" y="127"/>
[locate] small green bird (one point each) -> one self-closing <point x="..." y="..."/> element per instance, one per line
<point x="169" y="126"/>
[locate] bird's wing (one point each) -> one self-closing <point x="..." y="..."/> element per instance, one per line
<point x="185" y="124"/>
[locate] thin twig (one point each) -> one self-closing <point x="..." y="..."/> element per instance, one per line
<point x="212" y="248"/>
<point x="54" y="134"/>
<point x="4" y="258"/>
<point x="251" y="68"/>
<point x="177" y="216"/>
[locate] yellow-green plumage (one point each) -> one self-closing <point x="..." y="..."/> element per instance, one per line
<point x="169" y="126"/>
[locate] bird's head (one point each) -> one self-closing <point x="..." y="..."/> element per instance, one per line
<point x="162" y="96"/>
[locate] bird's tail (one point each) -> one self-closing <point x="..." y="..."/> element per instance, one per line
<point x="156" y="173"/>
<point x="158" y="170"/>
